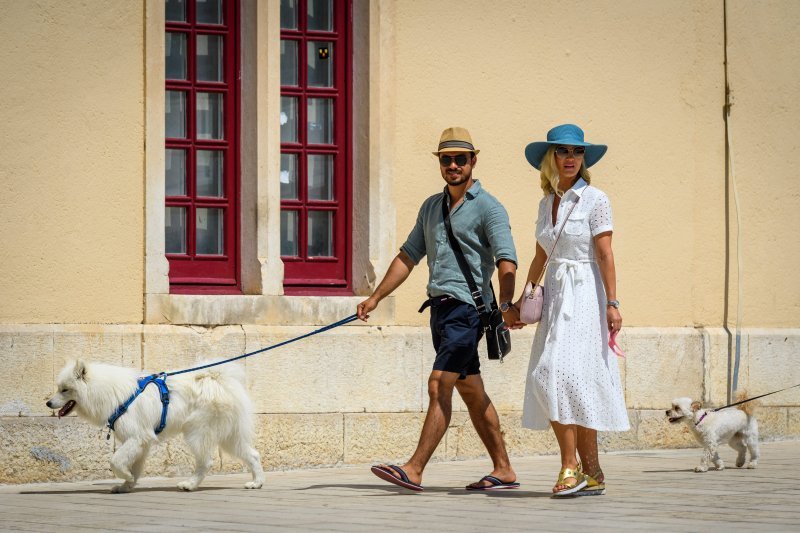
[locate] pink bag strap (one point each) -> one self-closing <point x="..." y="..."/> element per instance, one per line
<point x="555" y="243"/>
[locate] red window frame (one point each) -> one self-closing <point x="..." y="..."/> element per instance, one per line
<point x="323" y="275"/>
<point x="193" y="273"/>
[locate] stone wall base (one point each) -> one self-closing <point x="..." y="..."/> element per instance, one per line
<point x="358" y="394"/>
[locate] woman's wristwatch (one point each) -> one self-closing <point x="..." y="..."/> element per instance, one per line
<point x="613" y="303"/>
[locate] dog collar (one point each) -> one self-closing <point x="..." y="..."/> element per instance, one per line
<point x="701" y="418"/>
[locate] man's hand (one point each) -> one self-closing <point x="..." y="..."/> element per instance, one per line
<point x="511" y="318"/>
<point x="366" y="307"/>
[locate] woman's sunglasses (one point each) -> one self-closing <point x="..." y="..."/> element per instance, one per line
<point x="577" y="152"/>
<point x="447" y="160"/>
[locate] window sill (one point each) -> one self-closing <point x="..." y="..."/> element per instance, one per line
<point x="215" y="310"/>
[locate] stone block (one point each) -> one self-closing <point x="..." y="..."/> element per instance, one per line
<point x="44" y="449"/>
<point x="608" y="441"/>
<point x="655" y="431"/>
<point x="772" y="422"/>
<point x="662" y="364"/>
<point x="384" y="437"/>
<point x="26" y="380"/>
<point x="771" y="363"/>
<point x="793" y="421"/>
<point x="299" y="440"/>
<point x="344" y="370"/>
<point x="167" y="348"/>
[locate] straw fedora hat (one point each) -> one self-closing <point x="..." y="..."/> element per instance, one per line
<point x="455" y="139"/>
<point x="566" y="134"/>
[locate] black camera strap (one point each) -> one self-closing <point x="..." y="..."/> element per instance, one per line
<point x="477" y="294"/>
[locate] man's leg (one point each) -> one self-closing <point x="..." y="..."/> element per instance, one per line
<point x="440" y="408"/>
<point x="487" y="423"/>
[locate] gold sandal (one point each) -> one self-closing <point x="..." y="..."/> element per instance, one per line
<point x="572" y="487"/>
<point x="595" y="485"/>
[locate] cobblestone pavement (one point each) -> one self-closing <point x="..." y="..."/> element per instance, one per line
<point x="647" y="490"/>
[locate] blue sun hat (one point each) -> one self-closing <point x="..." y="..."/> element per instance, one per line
<point x="567" y="134"/>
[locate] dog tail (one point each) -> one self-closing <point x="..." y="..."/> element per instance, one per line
<point x="748" y="407"/>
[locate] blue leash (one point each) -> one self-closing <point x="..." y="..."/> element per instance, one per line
<point x="160" y="379"/>
<point x="341" y="322"/>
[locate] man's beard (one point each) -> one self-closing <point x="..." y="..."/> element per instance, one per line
<point x="464" y="178"/>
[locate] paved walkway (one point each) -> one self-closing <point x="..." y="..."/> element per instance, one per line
<point x="653" y="490"/>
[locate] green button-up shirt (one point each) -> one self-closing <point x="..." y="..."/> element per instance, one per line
<point x="480" y="223"/>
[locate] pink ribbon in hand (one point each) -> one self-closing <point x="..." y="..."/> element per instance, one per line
<point x="612" y="343"/>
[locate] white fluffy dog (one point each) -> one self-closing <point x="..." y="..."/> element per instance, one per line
<point x="209" y="407"/>
<point x="738" y="427"/>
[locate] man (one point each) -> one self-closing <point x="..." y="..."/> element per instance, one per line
<point x="480" y="224"/>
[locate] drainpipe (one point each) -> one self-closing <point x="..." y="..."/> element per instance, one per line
<point x="734" y="340"/>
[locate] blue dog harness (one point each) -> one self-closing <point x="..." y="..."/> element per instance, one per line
<point x="160" y="381"/>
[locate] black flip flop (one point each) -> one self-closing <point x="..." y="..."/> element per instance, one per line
<point x="387" y="473"/>
<point x="496" y="484"/>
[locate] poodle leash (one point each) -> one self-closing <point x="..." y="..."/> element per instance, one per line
<point x="754" y="398"/>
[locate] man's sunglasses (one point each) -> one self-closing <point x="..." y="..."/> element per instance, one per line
<point x="447" y="160"/>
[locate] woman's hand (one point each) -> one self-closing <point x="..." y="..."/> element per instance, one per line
<point x="613" y="318"/>
<point x="511" y="318"/>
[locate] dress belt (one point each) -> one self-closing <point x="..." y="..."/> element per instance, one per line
<point x="568" y="274"/>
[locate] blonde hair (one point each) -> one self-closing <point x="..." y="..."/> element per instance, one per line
<point x="550" y="172"/>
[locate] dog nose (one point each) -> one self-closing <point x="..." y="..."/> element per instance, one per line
<point x="667" y="411"/>
<point x="48" y="404"/>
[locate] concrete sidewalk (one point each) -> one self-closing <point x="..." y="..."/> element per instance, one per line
<point x="655" y="490"/>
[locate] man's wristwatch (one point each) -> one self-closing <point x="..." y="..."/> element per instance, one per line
<point x="505" y="306"/>
<point x="613" y="303"/>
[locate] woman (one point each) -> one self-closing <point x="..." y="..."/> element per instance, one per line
<point x="573" y="380"/>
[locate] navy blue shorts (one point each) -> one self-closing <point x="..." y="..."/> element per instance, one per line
<point x="456" y="329"/>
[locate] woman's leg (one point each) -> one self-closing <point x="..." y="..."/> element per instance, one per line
<point x="567" y="437"/>
<point x="587" y="449"/>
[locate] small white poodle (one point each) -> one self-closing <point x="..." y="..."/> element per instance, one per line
<point x="738" y="427"/>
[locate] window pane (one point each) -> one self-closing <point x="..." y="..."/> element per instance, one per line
<point x="175" y="59"/>
<point x="210" y="231"/>
<point x="320" y="15"/>
<point x="320" y="121"/>
<point x="175" y="10"/>
<point x="320" y="177"/>
<point x="289" y="70"/>
<point x="209" y="11"/>
<point x="289" y="233"/>
<point x="175" y="114"/>
<point x="289" y="176"/>
<point x="320" y="64"/>
<point x="209" y="173"/>
<point x="176" y="172"/>
<point x="210" y="62"/>
<point x="210" y="123"/>
<point x="320" y="233"/>
<point x="289" y="14"/>
<point x="175" y="230"/>
<point x="288" y="119"/>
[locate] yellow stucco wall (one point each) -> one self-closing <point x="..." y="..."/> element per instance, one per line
<point x="646" y="78"/>
<point x="71" y="212"/>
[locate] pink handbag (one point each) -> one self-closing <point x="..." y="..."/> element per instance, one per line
<point x="530" y="307"/>
<point x="532" y="301"/>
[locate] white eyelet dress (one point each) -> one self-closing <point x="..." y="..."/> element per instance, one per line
<point x="573" y="376"/>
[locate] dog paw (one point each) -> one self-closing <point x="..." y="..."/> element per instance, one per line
<point x="701" y="469"/>
<point x="739" y="463"/>
<point x="752" y="464"/>
<point x="186" y="486"/>
<point x="121" y="489"/>
<point x="254" y="484"/>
